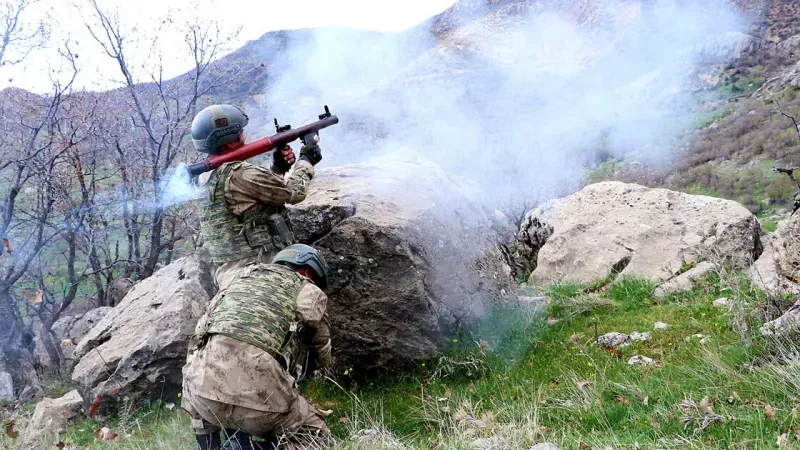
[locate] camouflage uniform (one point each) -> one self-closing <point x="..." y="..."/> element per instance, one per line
<point x="238" y="221"/>
<point x="237" y="377"/>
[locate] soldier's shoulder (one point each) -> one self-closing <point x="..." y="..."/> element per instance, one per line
<point x="247" y="166"/>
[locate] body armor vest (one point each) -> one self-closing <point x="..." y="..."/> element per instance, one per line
<point x="260" y="308"/>
<point x="229" y="237"/>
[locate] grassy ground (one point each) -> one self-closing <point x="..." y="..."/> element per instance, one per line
<point x="520" y="379"/>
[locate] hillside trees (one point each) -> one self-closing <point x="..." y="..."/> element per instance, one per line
<point x="83" y="180"/>
<point x="31" y="159"/>
<point x="152" y="127"/>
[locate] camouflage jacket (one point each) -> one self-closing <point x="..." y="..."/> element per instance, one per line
<point x="246" y="188"/>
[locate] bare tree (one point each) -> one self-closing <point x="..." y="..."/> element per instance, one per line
<point x="158" y="116"/>
<point x="17" y="37"/>
<point x="30" y="156"/>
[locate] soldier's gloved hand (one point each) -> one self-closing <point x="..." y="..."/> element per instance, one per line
<point x="282" y="160"/>
<point x="311" y="153"/>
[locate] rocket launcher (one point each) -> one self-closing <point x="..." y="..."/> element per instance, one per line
<point x="284" y="135"/>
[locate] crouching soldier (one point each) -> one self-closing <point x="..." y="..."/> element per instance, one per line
<point x="267" y="328"/>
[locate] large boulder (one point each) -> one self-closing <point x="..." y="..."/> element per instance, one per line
<point x="68" y="331"/>
<point x="50" y="419"/>
<point x="613" y="227"/>
<point x="411" y="256"/>
<point x="137" y="350"/>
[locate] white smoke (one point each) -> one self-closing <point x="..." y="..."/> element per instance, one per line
<point x="516" y="101"/>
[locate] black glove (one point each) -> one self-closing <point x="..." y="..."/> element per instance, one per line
<point x="311" y="153"/>
<point x="279" y="163"/>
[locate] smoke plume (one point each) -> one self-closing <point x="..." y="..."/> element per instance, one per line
<point x="518" y="96"/>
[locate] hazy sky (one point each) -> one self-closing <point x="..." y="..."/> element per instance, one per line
<point x="142" y="19"/>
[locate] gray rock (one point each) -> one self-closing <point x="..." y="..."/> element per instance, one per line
<point x="685" y="281"/>
<point x="50" y="418"/>
<point x="406" y="269"/>
<point x="776" y="271"/>
<point x="764" y="272"/>
<point x="118" y="290"/>
<point x="545" y="446"/>
<point x="6" y="386"/>
<point x="640" y="360"/>
<point x="637" y="231"/>
<point x="701" y="338"/>
<point x="660" y="326"/>
<point x="30" y="392"/>
<point x="614" y="340"/>
<point x="492" y="443"/>
<point x="68" y="331"/>
<point x="637" y="336"/>
<point x="137" y="350"/>
<point x="721" y="302"/>
<point x="786" y="325"/>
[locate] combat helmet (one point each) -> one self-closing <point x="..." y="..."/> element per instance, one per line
<point x="217" y="125"/>
<point x="304" y="255"/>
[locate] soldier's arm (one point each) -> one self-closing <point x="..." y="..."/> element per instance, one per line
<point x="311" y="310"/>
<point x="265" y="186"/>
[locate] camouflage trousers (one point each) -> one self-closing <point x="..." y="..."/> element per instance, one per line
<point x="296" y="426"/>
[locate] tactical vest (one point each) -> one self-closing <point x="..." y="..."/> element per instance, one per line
<point x="229" y="237"/>
<point x="260" y="308"/>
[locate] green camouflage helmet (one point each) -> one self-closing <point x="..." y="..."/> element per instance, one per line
<point x="216" y="126"/>
<point x="304" y="255"/>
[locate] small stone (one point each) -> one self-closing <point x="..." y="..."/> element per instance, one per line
<point x="636" y="336"/>
<point x="640" y="360"/>
<point x="721" y="302"/>
<point x="700" y="337"/>
<point x="614" y="340"/>
<point x="660" y="326"/>
<point x="491" y="443"/>
<point x="545" y="446"/>
<point x="552" y="321"/>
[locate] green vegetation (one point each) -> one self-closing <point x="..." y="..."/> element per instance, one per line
<point x="522" y="379"/>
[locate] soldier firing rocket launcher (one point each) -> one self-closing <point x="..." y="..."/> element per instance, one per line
<point x="284" y="135"/>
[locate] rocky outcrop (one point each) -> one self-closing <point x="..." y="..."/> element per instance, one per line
<point x="627" y="229"/>
<point x="411" y="259"/>
<point x="137" y="350"/>
<point x="50" y="419"/>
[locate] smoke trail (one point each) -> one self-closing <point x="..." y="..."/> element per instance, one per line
<point x="178" y="187"/>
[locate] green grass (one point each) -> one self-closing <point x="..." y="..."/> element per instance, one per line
<point x="517" y="377"/>
<point x="769" y="225"/>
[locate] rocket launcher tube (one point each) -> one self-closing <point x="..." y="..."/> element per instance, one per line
<point x="262" y="145"/>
